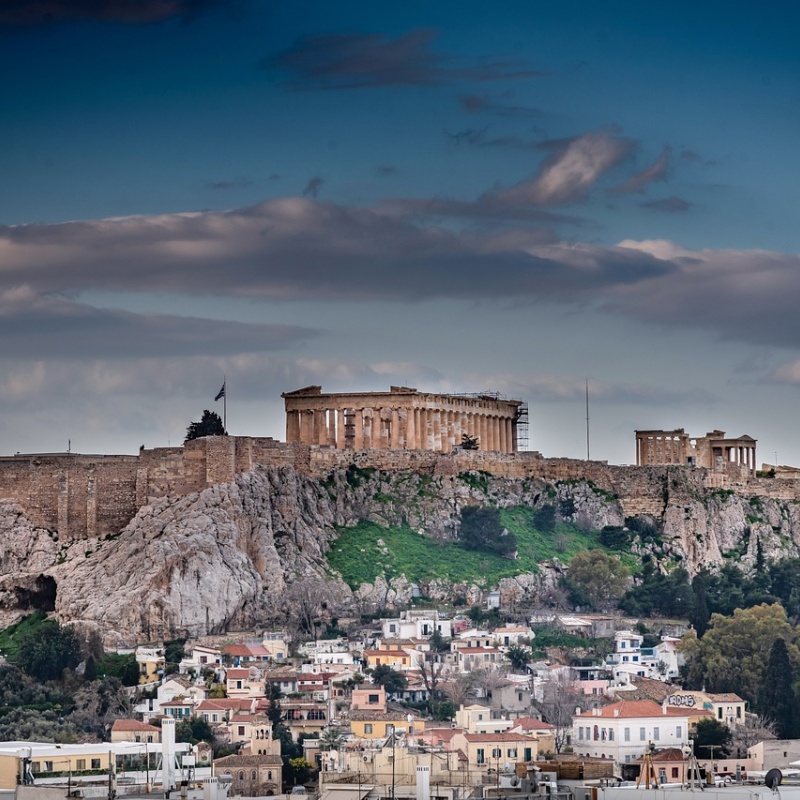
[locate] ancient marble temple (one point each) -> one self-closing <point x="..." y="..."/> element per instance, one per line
<point x="678" y="447"/>
<point x="400" y="419"/>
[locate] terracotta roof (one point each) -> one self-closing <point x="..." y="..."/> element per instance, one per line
<point x="668" y="754"/>
<point x="724" y="697"/>
<point x="237" y="674"/>
<point x="633" y="708"/>
<point x="131" y="725"/>
<point x="226" y="704"/>
<point x="532" y="724"/>
<point x="401" y="653"/>
<point x="497" y="737"/>
<point x="647" y="689"/>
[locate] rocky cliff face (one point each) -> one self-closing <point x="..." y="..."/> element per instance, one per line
<point x="236" y="555"/>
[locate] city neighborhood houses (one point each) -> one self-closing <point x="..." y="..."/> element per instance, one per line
<point x="475" y="704"/>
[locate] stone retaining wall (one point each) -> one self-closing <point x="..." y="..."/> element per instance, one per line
<point x="94" y="495"/>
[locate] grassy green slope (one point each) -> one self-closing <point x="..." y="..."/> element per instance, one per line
<point x="358" y="557"/>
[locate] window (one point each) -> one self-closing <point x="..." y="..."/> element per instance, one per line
<point x="269" y="775"/>
<point x="596" y="733"/>
<point x="48" y="766"/>
<point x="642" y="735"/>
<point x="368" y="727"/>
<point x="678" y="732"/>
<point x="35" y="766"/>
<point x="80" y="764"/>
<point x="610" y="734"/>
<point x="719" y="713"/>
<point x="241" y="774"/>
<point x="373" y="698"/>
<point x="656" y="734"/>
<point x="95" y="763"/>
<point x="675" y="772"/>
<point x="253" y="775"/>
<point x="627" y="759"/>
<point x="527" y="754"/>
<point x="241" y="730"/>
<point x="480" y="756"/>
<point x="496" y="752"/>
<point x="580" y="733"/>
<point x="150" y="738"/>
<point x="662" y="775"/>
<point x="512" y="752"/>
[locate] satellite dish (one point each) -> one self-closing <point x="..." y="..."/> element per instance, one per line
<point x="773" y="778"/>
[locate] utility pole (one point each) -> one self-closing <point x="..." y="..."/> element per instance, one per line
<point x="587" y="420"/>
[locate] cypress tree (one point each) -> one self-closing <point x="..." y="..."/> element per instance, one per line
<point x="776" y="699"/>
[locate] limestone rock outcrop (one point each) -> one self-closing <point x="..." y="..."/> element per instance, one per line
<point x="240" y="554"/>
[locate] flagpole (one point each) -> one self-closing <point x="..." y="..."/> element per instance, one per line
<point x="225" y="403"/>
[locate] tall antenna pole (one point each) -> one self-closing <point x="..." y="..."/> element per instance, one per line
<point x="587" y="420"/>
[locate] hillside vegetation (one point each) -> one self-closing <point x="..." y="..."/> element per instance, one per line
<point x="367" y="551"/>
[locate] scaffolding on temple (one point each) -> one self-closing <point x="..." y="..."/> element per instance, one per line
<point x="520" y="420"/>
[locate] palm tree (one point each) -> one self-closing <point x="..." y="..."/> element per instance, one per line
<point x="519" y="657"/>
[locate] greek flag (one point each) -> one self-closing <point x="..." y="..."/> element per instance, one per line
<point x="220" y="393"/>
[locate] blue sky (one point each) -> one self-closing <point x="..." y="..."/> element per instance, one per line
<point x="460" y="198"/>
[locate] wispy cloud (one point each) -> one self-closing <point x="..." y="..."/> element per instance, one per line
<point x="639" y="180"/>
<point x="301" y="249"/>
<point x="35" y="326"/>
<point x="357" y="61"/>
<point x="35" y="12"/>
<point x="570" y="172"/>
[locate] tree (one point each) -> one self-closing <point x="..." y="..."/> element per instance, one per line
<point x="173" y="653"/>
<point x="44" y="653"/>
<point x="210" y="425"/>
<point x="558" y="703"/>
<point x="596" y="580"/>
<point x="481" y="529"/>
<point x="734" y="651"/>
<point x="712" y="739"/>
<point x="519" y="657"/>
<point x="331" y="739"/>
<point x="776" y="700"/>
<point x="121" y="666"/>
<point x="194" y="730"/>
<point x="544" y="518"/>
<point x="700" y="615"/>
<point x="469" y="442"/>
<point x="391" y="680"/>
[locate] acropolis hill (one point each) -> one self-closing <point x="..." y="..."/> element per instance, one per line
<point x="79" y="496"/>
<point x="214" y="534"/>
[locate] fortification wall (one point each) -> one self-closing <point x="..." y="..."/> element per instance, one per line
<point x="94" y="495"/>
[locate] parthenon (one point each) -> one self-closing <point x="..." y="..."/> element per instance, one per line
<point x="677" y="447"/>
<point x="401" y="419"/>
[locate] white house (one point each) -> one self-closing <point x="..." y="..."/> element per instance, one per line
<point x="416" y="624"/>
<point x="622" y="730"/>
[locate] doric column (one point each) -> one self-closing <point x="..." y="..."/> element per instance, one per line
<point x="331" y="427"/>
<point x="484" y="439"/>
<point x="503" y="435"/>
<point x="358" y="439"/>
<point x="306" y="425"/>
<point x="369" y="428"/>
<point x="436" y="443"/>
<point x="340" y="435"/>
<point x="410" y="436"/>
